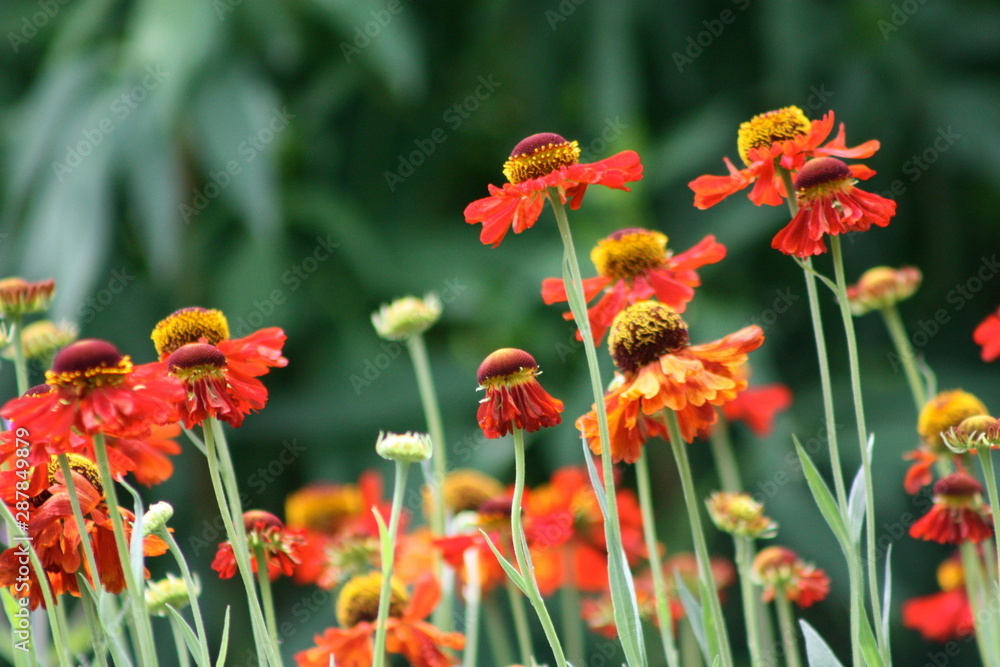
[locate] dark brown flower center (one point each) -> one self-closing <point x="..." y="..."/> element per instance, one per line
<point x="643" y="332"/>
<point x="508" y="366"/>
<point x="196" y="356"/>
<point x="538" y="155"/>
<point x="820" y="172"/>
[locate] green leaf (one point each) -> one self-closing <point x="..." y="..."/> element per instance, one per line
<point x="824" y="499"/>
<point x="385" y="542"/>
<point x="189" y="636"/>
<point x="887" y="595"/>
<point x="511" y="571"/>
<point x="856" y="505"/>
<point x="817" y="650"/>
<point x="693" y="611"/>
<point x="869" y="645"/>
<point x="224" y="643"/>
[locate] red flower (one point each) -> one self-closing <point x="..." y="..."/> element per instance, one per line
<point x="251" y="355"/>
<point x="958" y="514"/>
<point x="781" y="570"/>
<point x="987" y="334"/>
<point x="94" y="389"/>
<point x="829" y="204"/>
<point x="514" y="399"/>
<point x="635" y="265"/>
<point x="649" y="343"/>
<point x="943" y="616"/>
<point x="920" y="473"/>
<point x="757" y="407"/>
<point x="537" y="163"/>
<point x="784" y="136"/>
<point x="215" y="388"/>
<point x="281" y="546"/>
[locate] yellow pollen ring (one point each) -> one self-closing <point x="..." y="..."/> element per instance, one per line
<point x="769" y="128"/>
<point x="97" y="377"/>
<point x="189" y="325"/>
<point x="543" y="160"/>
<point x="80" y="465"/>
<point x="519" y="377"/>
<point x="358" y="600"/>
<point x="629" y="255"/>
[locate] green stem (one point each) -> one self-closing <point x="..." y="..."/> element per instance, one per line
<point x="690" y="651"/>
<point x="572" y="623"/>
<point x="199" y="623"/>
<point x="180" y="645"/>
<point x="521" y="630"/>
<point x="986" y="460"/>
<point x="744" y="561"/>
<point x="789" y="631"/>
<point x="897" y="332"/>
<point x="679" y="448"/>
<point x="235" y="531"/>
<point x="266" y="597"/>
<point x="136" y="594"/>
<point x="473" y="592"/>
<point x="523" y="556"/>
<point x="626" y="610"/>
<point x="495" y="619"/>
<point x="388" y="560"/>
<point x="725" y="458"/>
<point x="975" y="589"/>
<point x="20" y="363"/>
<point x="663" y="616"/>
<point x="435" y="427"/>
<point x="90" y="613"/>
<point x="859" y="412"/>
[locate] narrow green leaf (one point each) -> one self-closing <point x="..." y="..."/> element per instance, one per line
<point x="817" y="650"/>
<point x="224" y="644"/>
<point x="856" y="505"/>
<point x="824" y="499"/>
<point x="385" y="542"/>
<point x="511" y="571"/>
<point x="887" y="595"/>
<point x="711" y="632"/>
<point x="869" y="645"/>
<point x="189" y="636"/>
<point x="693" y="611"/>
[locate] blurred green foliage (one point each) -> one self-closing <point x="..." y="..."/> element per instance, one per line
<point x="297" y="163"/>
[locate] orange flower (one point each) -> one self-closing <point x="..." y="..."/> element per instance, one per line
<point x="537" y="163"/>
<point x="93" y="388"/>
<point x="758" y="406"/>
<point x="940" y="415"/>
<point x="882" y="287"/>
<point x="946" y="615"/>
<point x="407" y="633"/>
<point x="214" y="388"/>
<point x="781" y="570"/>
<point x="281" y="546"/>
<point x="514" y="399"/>
<point x="18" y="297"/>
<point x="634" y="265"/>
<point x="649" y="344"/>
<point x="784" y="138"/>
<point x="987" y="334"/>
<point x="958" y="514"/>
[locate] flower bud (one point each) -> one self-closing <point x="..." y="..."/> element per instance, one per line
<point x="406" y="447"/>
<point x="170" y="591"/>
<point x="156" y="518"/>
<point x="407" y="316"/>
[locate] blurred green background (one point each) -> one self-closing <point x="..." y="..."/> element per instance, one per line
<point x="298" y="163"/>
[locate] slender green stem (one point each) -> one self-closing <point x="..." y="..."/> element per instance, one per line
<point x="725" y="458"/>
<point x="663" y="616"/>
<point x="521" y="630"/>
<point x="569" y="599"/>
<point x="388" y="561"/>
<point x="472" y="592"/>
<point x="789" y="631"/>
<point x="690" y="651"/>
<point x="439" y="459"/>
<point x="989" y="555"/>
<point x="235" y="531"/>
<point x="136" y="594"/>
<point x="976" y="590"/>
<point x="626" y="609"/>
<point x="986" y="460"/>
<point x="679" y="448"/>
<point x="524" y="556"/>
<point x="98" y="640"/>
<point x="897" y="332"/>
<point x="266" y="597"/>
<point x="20" y="363"/>
<point x="184" y="660"/>
<point x="500" y="649"/>
<point x="859" y="412"/>
<point x="192" y="587"/>
<point x="744" y="561"/>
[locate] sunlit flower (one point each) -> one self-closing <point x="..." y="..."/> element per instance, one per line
<point x="941" y="414"/>
<point x="783" y="138"/>
<point x="987" y="334"/>
<point x="829" y="205"/>
<point x="514" y="398"/>
<point x="214" y="388"/>
<point x="946" y="615"/>
<point x="757" y="407"/>
<point x="781" y="572"/>
<point x="649" y="344"/>
<point x="740" y="514"/>
<point x="634" y="265"/>
<point x="18" y="297"/>
<point x="92" y="388"/>
<point x="266" y="532"/>
<point x="958" y="514"/>
<point x="628" y="427"/>
<point x="407" y="633"/>
<point x="407" y="316"/>
<point x="537" y="163"/>
<point x="882" y="287"/>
